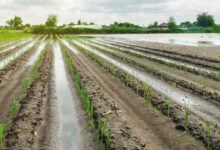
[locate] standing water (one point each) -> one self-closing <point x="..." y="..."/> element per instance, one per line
<point x="69" y="132"/>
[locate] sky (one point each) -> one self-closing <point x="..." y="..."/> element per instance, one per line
<point x="141" y="12"/>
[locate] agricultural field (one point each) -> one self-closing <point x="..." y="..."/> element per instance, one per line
<point x="89" y="92"/>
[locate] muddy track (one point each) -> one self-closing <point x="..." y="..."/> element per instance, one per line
<point x="185" y="84"/>
<point x="195" y="124"/>
<point x="208" y="63"/>
<point x="10" y="44"/>
<point x="24" y="131"/>
<point x="131" y="109"/>
<point x="173" y="53"/>
<point x="11" y="82"/>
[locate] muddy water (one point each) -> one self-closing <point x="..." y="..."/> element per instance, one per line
<point x="69" y="132"/>
<point x="12" y="57"/>
<point x="11" y="42"/>
<point x="202" y="108"/>
<point x="15" y="45"/>
<point x="158" y="57"/>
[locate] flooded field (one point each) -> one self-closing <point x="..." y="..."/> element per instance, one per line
<point x="110" y="92"/>
<point x="212" y="39"/>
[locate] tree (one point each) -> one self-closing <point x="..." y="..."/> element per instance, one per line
<point x="152" y="26"/>
<point x="187" y="24"/>
<point x="79" y="22"/>
<point x="51" y="21"/>
<point x="172" y="24"/>
<point x="28" y="25"/>
<point x="91" y="23"/>
<point x="205" y="20"/>
<point x="15" y="23"/>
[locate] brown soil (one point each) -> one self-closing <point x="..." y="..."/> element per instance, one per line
<point x="11" y="82"/>
<point x="24" y="132"/>
<point x="132" y="123"/>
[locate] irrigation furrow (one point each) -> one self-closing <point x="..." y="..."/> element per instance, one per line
<point x="16" y="45"/>
<point x="15" y="55"/>
<point x="197" y="105"/>
<point x="180" y="78"/>
<point x="168" y="52"/>
<point x="190" y="63"/>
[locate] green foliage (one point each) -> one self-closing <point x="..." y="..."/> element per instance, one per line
<point x="186" y="24"/>
<point x="51" y="20"/>
<point x="205" y="20"/>
<point x="172" y="25"/>
<point x="15" y="23"/>
<point x="103" y="130"/>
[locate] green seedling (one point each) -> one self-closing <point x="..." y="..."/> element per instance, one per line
<point x="14" y="108"/>
<point x="168" y="108"/>
<point x="145" y="90"/>
<point x="149" y="95"/>
<point x="107" y="145"/>
<point x="99" y="127"/>
<point x="2" y="128"/>
<point x="219" y="75"/>
<point x="214" y="88"/>
<point x="127" y="79"/>
<point x="103" y="131"/>
<point x="185" y="68"/>
<point x="208" y="132"/>
<point x="212" y="72"/>
<point x="186" y="106"/>
<point x="136" y="85"/>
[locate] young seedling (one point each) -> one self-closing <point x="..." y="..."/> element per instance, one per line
<point x="14" y="108"/>
<point x="214" y="88"/>
<point x="137" y="85"/>
<point x="204" y="86"/>
<point x="103" y="131"/>
<point x="2" y="128"/>
<point x="185" y="69"/>
<point x="186" y="106"/>
<point x="107" y="145"/>
<point x="127" y="79"/>
<point x="219" y="75"/>
<point x="145" y="90"/>
<point x="168" y="108"/>
<point x="99" y="127"/>
<point x="208" y="131"/>
<point x="212" y="72"/>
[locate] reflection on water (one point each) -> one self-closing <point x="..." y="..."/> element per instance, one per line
<point x="204" y="39"/>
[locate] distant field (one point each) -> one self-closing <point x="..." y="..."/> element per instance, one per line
<point x="8" y="35"/>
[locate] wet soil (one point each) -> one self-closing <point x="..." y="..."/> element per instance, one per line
<point x="132" y="123"/>
<point x="24" y="132"/>
<point x="178" y="115"/>
<point x="11" y="82"/>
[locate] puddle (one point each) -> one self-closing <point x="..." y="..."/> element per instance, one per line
<point x="202" y="108"/>
<point x="176" y="62"/>
<point x="69" y="132"/>
<point x="15" y="45"/>
<point x="12" y="57"/>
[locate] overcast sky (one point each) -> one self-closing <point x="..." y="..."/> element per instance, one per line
<point x="142" y="12"/>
